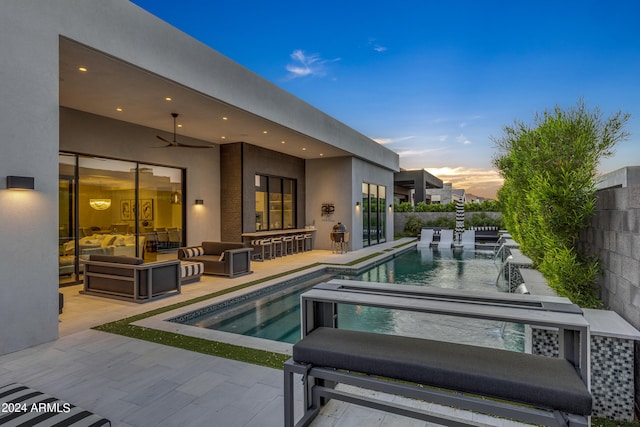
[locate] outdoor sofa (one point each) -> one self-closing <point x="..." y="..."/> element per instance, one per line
<point x="228" y="259"/>
<point x="130" y="278"/>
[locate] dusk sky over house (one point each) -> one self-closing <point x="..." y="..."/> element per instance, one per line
<point x="434" y="81"/>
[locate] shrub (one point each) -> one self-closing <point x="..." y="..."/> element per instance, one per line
<point x="414" y="225"/>
<point x="548" y="194"/>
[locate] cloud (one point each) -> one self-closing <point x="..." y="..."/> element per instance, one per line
<point x="477" y="181"/>
<point x="377" y="47"/>
<point x="463" y="139"/>
<point x="384" y="141"/>
<point x="304" y="65"/>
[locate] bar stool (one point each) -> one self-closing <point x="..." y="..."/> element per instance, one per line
<point x="308" y="238"/>
<point x="287" y="245"/>
<point x="276" y="245"/>
<point x="299" y="242"/>
<point x="263" y="247"/>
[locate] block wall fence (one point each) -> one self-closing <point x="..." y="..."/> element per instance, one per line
<point x="613" y="235"/>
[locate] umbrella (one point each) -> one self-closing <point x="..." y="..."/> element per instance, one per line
<point x="459" y="219"/>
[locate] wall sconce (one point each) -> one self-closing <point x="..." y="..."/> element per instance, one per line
<point x="199" y="202"/>
<point x="390" y="206"/>
<point x="20" y="183"/>
<point x="357" y="204"/>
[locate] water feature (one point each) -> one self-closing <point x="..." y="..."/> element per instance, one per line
<point x="276" y="316"/>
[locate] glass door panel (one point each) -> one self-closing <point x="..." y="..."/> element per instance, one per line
<point x="106" y="213"/>
<point x="67" y="264"/>
<point x="365" y="214"/>
<point x="262" y="214"/>
<point x="382" y="214"/>
<point x="288" y="194"/>
<point x="158" y="213"/>
<point x="275" y="203"/>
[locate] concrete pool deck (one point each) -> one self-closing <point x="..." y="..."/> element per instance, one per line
<point x="138" y="383"/>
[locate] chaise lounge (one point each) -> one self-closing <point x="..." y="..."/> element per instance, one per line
<point x="220" y="258"/>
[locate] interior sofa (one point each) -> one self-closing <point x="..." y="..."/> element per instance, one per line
<point x="129" y="278"/>
<point x="228" y="259"/>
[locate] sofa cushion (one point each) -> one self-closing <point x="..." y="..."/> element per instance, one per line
<point x="117" y="259"/>
<point x="530" y="379"/>
<point x="190" y="252"/>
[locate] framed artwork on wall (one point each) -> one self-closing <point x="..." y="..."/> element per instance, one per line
<point x="125" y="210"/>
<point x="146" y="209"/>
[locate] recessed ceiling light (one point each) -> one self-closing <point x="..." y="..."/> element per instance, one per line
<point x="223" y="137"/>
<point x="225" y="118"/>
<point x="321" y="154"/>
<point x="168" y="98"/>
<point x="83" y="69"/>
<point x="265" y="132"/>
<point x="282" y="142"/>
<point x="179" y="126"/>
<point x="304" y="149"/>
<point x="119" y="110"/>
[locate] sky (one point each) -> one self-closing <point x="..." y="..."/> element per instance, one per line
<point x="434" y="81"/>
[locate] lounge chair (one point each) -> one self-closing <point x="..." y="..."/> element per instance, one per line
<point x="426" y="237"/>
<point x="446" y="238"/>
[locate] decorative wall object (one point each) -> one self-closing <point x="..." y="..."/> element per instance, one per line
<point x="125" y="210"/>
<point x="146" y="209"/>
<point x="328" y="208"/>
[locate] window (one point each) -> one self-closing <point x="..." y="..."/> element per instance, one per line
<point x="275" y="203"/>
<point x="116" y="207"/>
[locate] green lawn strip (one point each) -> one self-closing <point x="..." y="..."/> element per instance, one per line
<point x="200" y="345"/>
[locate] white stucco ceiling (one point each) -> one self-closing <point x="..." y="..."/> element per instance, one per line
<point x="110" y="83"/>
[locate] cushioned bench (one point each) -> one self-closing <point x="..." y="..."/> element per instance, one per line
<point x="531" y="388"/>
<point x="22" y="405"/>
<point x="524" y="378"/>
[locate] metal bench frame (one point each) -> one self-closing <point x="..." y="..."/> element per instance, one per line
<point x="319" y="308"/>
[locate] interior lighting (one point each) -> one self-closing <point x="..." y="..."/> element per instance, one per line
<point x="82" y="69"/>
<point x="119" y="110"/>
<point x="304" y="148"/>
<point x="20" y="183"/>
<point x="175" y="198"/>
<point x="265" y="132"/>
<point x="168" y="98"/>
<point x="282" y="142"/>
<point x="100" y="204"/>
<point x="225" y="118"/>
<point x="223" y="137"/>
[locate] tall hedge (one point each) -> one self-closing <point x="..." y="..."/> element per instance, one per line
<point x="550" y="172"/>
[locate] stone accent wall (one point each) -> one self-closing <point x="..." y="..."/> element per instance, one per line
<point x="612" y="380"/>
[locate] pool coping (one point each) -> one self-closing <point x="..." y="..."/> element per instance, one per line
<point x="163" y="321"/>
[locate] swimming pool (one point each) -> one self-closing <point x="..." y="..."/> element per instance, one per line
<point x="276" y="314"/>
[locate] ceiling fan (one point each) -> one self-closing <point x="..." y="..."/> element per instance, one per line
<point x="175" y="143"/>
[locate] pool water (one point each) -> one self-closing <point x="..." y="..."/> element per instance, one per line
<point x="276" y="316"/>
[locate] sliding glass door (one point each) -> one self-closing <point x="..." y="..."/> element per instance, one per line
<point x="116" y="207"/>
<point x="374" y="227"/>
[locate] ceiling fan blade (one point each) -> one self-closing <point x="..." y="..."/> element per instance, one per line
<point x="169" y="143"/>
